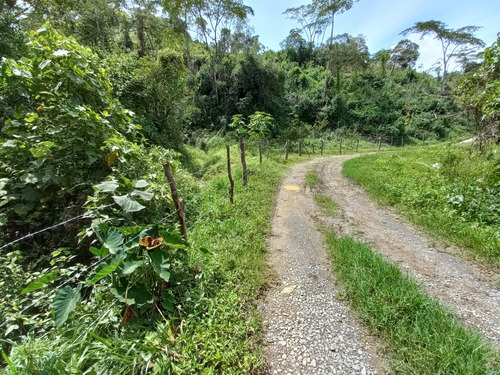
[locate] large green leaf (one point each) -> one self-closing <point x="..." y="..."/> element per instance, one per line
<point x="107" y="186"/>
<point x="137" y="294"/>
<point x="44" y="280"/>
<point x="173" y="239"/>
<point x="161" y="263"/>
<point x="103" y="272"/>
<point x="129" y="266"/>
<point x="141" y="184"/>
<point x="144" y="195"/>
<point x="64" y="302"/>
<point x="128" y="204"/>
<point x="111" y="238"/>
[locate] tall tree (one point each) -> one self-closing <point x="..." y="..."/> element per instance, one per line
<point x="210" y="18"/>
<point x="328" y="9"/>
<point x="312" y="24"/>
<point x="405" y="54"/>
<point x="454" y="42"/>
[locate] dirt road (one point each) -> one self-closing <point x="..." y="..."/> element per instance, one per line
<point x="307" y="330"/>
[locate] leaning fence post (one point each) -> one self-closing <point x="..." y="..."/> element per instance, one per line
<point x="243" y="161"/>
<point x="180" y="207"/>
<point x="231" y="181"/>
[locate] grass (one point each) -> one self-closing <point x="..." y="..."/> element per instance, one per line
<point x="423" y="337"/>
<point x="329" y="207"/>
<point x="312" y="179"/>
<point x="449" y="192"/>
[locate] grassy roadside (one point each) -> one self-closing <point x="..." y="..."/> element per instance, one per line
<point x="447" y="191"/>
<point x="423" y="337"/>
<point x="215" y="325"/>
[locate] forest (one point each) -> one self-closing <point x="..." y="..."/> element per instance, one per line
<point x="97" y="277"/>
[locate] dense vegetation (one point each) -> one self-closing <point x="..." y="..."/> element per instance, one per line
<point x="95" y="96"/>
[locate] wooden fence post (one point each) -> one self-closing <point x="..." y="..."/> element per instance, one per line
<point x="313" y="147"/>
<point x="379" y="143"/>
<point x="300" y="147"/>
<point x="402" y="141"/>
<point x="340" y="146"/>
<point x="180" y="207"/>
<point x="322" y="144"/>
<point x="231" y="181"/>
<point x="287" y="149"/>
<point x="260" y="153"/>
<point x="357" y="145"/>
<point x="268" y="149"/>
<point x="243" y="161"/>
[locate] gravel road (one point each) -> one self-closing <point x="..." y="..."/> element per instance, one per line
<point x="461" y="285"/>
<point x="307" y="330"/>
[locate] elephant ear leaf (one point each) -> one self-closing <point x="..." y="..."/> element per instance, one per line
<point x="65" y="302"/>
<point x="40" y="283"/>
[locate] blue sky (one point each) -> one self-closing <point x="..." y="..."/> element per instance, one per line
<point x="381" y="21"/>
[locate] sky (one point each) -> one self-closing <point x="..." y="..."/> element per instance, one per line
<point x="381" y="21"/>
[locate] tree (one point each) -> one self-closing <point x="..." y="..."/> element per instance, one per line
<point x="210" y="18"/>
<point x="313" y="25"/>
<point x="454" y="42"/>
<point x="347" y="52"/>
<point x="405" y="54"/>
<point x="480" y="93"/>
<point x="328" y="9"/>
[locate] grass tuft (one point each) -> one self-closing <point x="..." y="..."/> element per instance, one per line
<point x="423" y="336"/>
<point x="312" y="179"/>
<point x="329" y="207"/>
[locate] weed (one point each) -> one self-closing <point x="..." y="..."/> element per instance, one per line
<point x="312" y="179"/>
<point x="329" y="207"/>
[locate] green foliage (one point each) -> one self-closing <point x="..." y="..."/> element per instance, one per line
<point x="45" y="166"/>
<point x="449" y="192"/>
<point x="423" y="336"/>
<point x="257" y="127"/>
<point x="480" y="92"/>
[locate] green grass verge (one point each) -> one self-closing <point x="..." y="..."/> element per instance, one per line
<point x="448" y="192"/>
<point x="423" y="337"/>
<point x="329" y="207"/>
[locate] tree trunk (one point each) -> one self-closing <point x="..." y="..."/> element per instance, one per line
<point x="229" y="174"/>
<point x="243" y="161"/>
<point x="260" y="153"/>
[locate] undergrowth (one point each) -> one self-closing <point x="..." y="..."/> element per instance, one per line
<point x="212" y="326"/>
<point x="423" y="337"/>
<point x="451" y="192"/>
